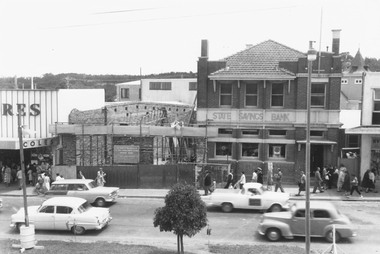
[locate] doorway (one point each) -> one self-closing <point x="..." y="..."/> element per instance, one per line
<point x="316" y="158"/>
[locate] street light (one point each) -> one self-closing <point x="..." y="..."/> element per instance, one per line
<point x="311" y="56"/>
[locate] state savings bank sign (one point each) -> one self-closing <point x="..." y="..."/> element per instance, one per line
<point x="38" y="110"/>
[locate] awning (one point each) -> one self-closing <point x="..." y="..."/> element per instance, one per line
<point x="317" y="142"/>
<point x="14" y="143"/>
<point x="370" y="130"/>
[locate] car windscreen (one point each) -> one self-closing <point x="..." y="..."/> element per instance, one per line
<point x="84" y="207"/>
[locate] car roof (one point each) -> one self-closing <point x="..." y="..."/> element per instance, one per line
<point x="253" y="185"/>
<point x="69" y="201"/>
<point x="73" y="181"/>
<point x="316" y="204"/>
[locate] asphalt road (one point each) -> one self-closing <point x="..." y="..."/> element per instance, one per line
<point x="133" y="223"/>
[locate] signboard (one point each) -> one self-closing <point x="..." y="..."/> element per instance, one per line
<point x="126" y="154"/>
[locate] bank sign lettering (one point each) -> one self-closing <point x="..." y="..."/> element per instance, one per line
<point x="250" y="116"/>
<point x="10" y="110"/>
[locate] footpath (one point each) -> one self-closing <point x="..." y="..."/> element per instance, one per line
<point x="329" y="195"/>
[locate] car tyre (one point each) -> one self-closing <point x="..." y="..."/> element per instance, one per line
<point x="78" y="230"/>
<point x="273" y="234"/>
<point x="275" y="208"/>
<point x="329" y="236"/>
<point x="227" y="207"/>
<point x="100" y="202"/>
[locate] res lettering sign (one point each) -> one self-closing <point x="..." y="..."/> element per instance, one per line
<point x="10" y="110"/>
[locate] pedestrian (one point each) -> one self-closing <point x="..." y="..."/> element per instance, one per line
<point x="269" y="178"/>
<point x="19" y="178"/>
<point x="317" y="181"/>
<point x="355" y="185"/>
<point x="34" y="173"/>
<point x="260" y="175"/>
<point x="301" y="183"/>
<point x="58" y="177"/>
<point x="80" y="175"/>
<point x="340" y="178"/>
<point x="30" y="175"/>
<point x="230" y="178"/>
<point x="372" y="179"/>
<point x="278" y="181"/>
<point x="100" y="178"/>
<point x="366" y="182"/>
<point x="254" y="176"/>
<point x="346" y="187"/>
<point x="7" y="175"/>
<point x="207" y="183"/>
<point x="242" y="180"/>
<point x="335" y="177"/>
<point x="325" y="178"/>
<point x="46" y="182"/>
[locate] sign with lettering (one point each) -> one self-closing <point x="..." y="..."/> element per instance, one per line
<point x="126" y="154"/>
<point x="10" y="110"/>
<point x="254" y="116"/>
<point x="37" y="143"/>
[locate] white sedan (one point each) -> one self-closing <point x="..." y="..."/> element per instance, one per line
<point x="64" y="213"/>
<point x="251" y="196"/>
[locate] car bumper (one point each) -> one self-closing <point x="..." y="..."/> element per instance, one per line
<point x="104" y="223"/>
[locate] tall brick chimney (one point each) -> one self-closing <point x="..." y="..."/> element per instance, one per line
<point x="335" y="41"/>
<point x="204" y="48"/>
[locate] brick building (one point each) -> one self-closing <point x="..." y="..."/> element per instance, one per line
<point x="257" y="100"/>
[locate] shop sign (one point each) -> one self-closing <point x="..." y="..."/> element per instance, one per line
<point x="10" y="110"/>
<point x="37" y="143"/>
<point x="253" y="116"/>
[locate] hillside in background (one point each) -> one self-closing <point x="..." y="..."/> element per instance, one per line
<point x="82" y="81"/>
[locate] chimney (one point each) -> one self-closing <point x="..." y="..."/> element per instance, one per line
<point x="204" y="48"/>
<point x="336" y="41"/>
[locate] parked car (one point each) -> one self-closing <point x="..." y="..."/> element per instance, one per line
<point x="323" y="217"/>
<point x="64" y="213"/>
<point x="84" y="188"/>
<point x="251" y="196"/>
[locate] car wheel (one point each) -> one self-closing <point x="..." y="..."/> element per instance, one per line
<point x="227" y="207"/>
<point x="100" y="202"/>
<point x="273" y="234"/>
<point x="275" y="208"/>
<point x="78" y="230"/>
<point x="329" y="236"/>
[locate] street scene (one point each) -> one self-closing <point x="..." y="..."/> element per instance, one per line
<point x="189" y="127"/>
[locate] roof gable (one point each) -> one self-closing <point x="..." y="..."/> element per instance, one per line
<point x="260" y="60"/>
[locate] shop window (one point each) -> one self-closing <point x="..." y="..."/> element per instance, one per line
<point x="317" y="99"/>
<point x="250" y="132"/>
<point x="251" y="95"/>
<point x="225" y="95"/>
<point x="277" y="151"/>
<point x="225" y="131"/>
<point x="277" y="95"/>
<point x="223" y="149"/>
<point x="250" y="150"/>
<point x="376" y="107"/>
<point x="277" y="132"/>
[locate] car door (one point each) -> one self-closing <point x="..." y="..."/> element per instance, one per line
<point x="57" y="189"/>
<point x="254" y="199"/>
<point x="319" y="220"/>
<point x="297" y="224"/>
<point x="62" y="217"/>
<point x="78" y="190"/>
<point x="44" y="218"/>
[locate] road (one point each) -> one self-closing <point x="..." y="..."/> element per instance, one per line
<point x="133" y="223"/>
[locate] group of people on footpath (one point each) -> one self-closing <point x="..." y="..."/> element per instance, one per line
<point x="341" y="179"/>
<point x="327" y="178"/>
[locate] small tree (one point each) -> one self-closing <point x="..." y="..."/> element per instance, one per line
<point x="184" y="213"/>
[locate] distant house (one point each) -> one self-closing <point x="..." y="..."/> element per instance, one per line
<point x="128" y="91"/>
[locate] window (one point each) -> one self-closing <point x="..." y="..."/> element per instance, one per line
<point x="317" y="95"/>
<point x="277" y="132"/>
<point x="358" y="81"/>
<point x="277" y="151"/>
<point x="376" y="107"/>
<point x="316" y="134"/>
<point x="124" y="93"/>
<point x="300" y="213"/>
<point x="277" y="95"/>
<point x="225" y="95"/>
<point x="64" y="209"/>
<point x="321" y="214"/>
<point x="250" y="132"/>
<point x="47" y="209"/>
<point x="251" y="95"/>
<point x="225" y="131"/>
<point x="58" y="187"/>
<point x="344" y="81"/>
<point x="192" y="86"/>
<point x="160" y="85"/>
<point x="353" y="140"/>
<point x="223" y="149"/>
<point x="250" y="150"/>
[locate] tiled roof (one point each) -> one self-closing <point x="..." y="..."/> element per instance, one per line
<point x="259" y="61"/>
<point x="357" y="64"/>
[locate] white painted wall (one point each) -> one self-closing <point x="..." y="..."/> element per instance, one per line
<point x="81" y="99"/>
<point x="179" y="93"/>
<point x="371" y="81"/>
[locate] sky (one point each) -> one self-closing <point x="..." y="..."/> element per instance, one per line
<point x="129" y="37"/>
